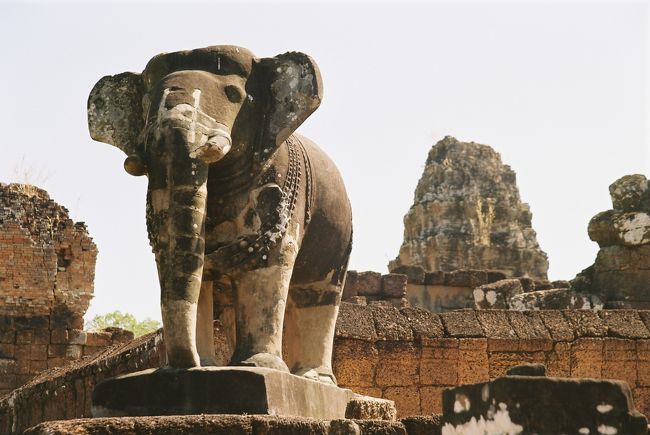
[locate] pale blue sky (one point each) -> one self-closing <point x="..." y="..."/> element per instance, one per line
<point x="560" y="89"/>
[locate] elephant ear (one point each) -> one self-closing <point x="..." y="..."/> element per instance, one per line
<point x="115" y="111"/>
<point x="295" y="90"/>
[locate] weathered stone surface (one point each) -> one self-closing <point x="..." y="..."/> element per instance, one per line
<point x="218" y="390"/>
<point x="368" y="283"/>
<point x="219" y="425"/>
<point x="630" y="193"/>
<point x="423" y="425"/>
<point x="415" y="274"/>
<point x="370" y="408"/>
<point x="355" y="321"/>
<point x="614" y="227"/>
<point x="467" y="214"/>
<point x="620" y="276"/>
<point x="497" y="294"/>
<point x="554" y="299"/>
<point x="390" y="324"/>
<point x="461" y="324"/>
<point x="393" y="285"/>
<point x="425" y="324"/>
<point x="624" y="324"/>
<point x="536" y="404"/>
<point x="47" y="261"/>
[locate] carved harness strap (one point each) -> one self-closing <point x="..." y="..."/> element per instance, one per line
<point x="251" y="251"/>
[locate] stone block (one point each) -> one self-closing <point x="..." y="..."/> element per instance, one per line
<point x="527" y="284"/>
<point x="495" y="275"/>
<point x="24" y="336"/>
<point x="624" y="324"/>
<point x="528" y="325"/>
<point x="7" y="336"/>
<point x="557" y="324"/>
<point x="399" y="364"/>
<point x="59" y="336"/>
<point x="218" y="390"/>
<point x="7" y="350"/>
<point x="41" y="336"/>
<point x="370" y="408"/>
<point x="586" y="323"/>
<point x="431" y="399"/>
<point x="393" y="285"/>
<point x="558" y="362"/>
<point x="461" y="324"/>
<point x="56" y="350"/>
<point x="407" y="400"/>
<point x="439" y="365"/>
<point x="369" y="283"/>
<point x="38" y="352"/>
<point x="554" y="299"/>
<point x="545" y="405"/>
<point x="497" y="294"/>
<point x="77" y="336"/>
<point x="500" y="362"/>
<point x="425" y="324"/>
<point x="415" y="274"/>
<point x="355" y="362"/>
<point x="466" y="278"/>
<point x="434" y="278"/>
<point x="390" y="324"/>
<point x="73" y="351"/>
<point x="587" y="358"/>
<point x="473" y="362"/>
<point x="36" y="367"/>
<point x="495" y="324"/>
<point x="423" y="424"/>
<point x="119" y="335"/>
<point x="100" y="339"/>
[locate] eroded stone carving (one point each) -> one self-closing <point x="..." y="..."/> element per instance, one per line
<point x="467" y="214"/>
<point x="238" y="206"/>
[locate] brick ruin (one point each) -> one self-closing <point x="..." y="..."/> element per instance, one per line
<point x="47" y="271"/>
<point x="408" y="355"/>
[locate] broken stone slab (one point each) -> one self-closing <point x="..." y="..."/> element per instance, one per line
<point x="554" y="299"/>
<point x="630" y="193"/>
<point x="496" y="294"/>
<point x="537" y="404"/>
<point x="613" y="227"/>
<point x="219" y="390"/>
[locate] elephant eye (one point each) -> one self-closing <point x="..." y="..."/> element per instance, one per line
<point x="234" y="94"/>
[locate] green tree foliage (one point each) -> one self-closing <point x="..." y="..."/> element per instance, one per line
<point x="117" y="319"/>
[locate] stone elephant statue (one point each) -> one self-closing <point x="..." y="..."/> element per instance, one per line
<point x="240" y="209"/>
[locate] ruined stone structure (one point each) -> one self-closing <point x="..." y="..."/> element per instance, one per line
<point x="47" y="269"/>
<point x="406" y="355"/>
<point x="620" y="276"/>
<point x="467" y="214"/>
<point x="47" y="261"/>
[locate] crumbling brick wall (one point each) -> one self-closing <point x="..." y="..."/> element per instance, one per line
<point x="47" y="269"/>
<point x="406" y="355"/>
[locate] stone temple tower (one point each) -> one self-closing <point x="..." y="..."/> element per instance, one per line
<point x="467" y="214"/>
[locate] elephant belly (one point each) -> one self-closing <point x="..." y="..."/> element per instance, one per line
<point x="327" y="240"/>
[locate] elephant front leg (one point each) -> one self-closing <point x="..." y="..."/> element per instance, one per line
<point x="261" y="297"/>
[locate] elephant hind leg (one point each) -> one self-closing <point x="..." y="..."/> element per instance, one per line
<point x="309" y="325"/>
<point x="204" y="325"/>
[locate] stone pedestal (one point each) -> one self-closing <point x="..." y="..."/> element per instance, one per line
<point x="220" y="390"/>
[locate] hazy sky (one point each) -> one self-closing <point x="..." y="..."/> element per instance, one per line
<point x="559" y="89"/>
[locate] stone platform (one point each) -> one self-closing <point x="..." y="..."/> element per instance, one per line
<point x="231" y="390"/>
<point x="235" y="424"/>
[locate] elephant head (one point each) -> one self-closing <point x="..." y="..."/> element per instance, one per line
<point x="217" y="108"/>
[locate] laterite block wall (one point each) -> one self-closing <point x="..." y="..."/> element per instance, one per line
<point x="407" y="355"/>
<point x="411" y="355"/>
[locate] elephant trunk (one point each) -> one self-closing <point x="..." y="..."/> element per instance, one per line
<point x="176" y="206"/>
